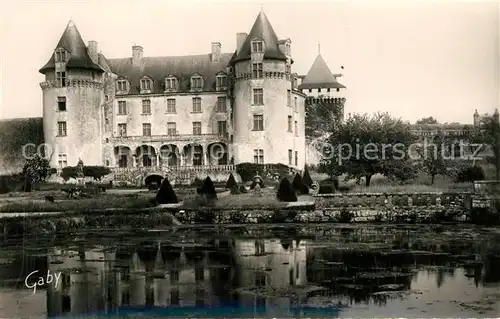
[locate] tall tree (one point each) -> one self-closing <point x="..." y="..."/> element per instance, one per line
<point x="367" y="145"/>
<point x="436" y="156"/>
<point x="489" y="135"/>
<point x="322" y="114"/>
<point x="427" y="120"/>
<point x="35" y="170"/>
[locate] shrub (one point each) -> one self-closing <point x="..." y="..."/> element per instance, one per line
<point x="96" y="172"/>
<point x="298" y="185"/>
<point x="306" y="178"/>
<point x="166" y="194"/>
<point x="285" y="191"/>
<point x="208" y="189"/>
<point x="248" y="170"/>
<point x="231" y="182"/>
<point x="470" y="174"/>
<point x="243" y="189"/>
<point x="197" y="182"/>
<point x="345" y="216"/>
<point x="254" y="183"/>
<point x="235" y="190"/>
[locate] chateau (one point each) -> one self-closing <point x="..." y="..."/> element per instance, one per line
<point x="196" y="113"/>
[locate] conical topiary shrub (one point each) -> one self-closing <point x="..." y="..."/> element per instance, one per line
<point x="306" y="178"/>
<point x="166" y="194"/>
<point x="208" y="189"/>
<point x="298" y="185"/>
<point x="286" y="192"/>
<point x="231" y="182"/>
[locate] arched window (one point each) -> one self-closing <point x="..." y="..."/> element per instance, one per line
<point x="196" y="82"/>
<point x="257" y="46"/>
<point x="171" y="83"/>
<point x="146" y="85"/>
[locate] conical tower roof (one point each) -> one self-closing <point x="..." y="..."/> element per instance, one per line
<point x="72" y="41"/>
<point x="261" y="29"/>
<point x="320" y="76"/>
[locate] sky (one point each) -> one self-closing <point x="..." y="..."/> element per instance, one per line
<point x="412" y="59"/>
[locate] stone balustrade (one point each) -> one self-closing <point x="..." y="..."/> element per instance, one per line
<point x="192" y="138"/>
<point x="390" y="200"/>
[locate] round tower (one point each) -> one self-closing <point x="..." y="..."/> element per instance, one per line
<point x="72" y="96"/>
<point x="267" y="128"/>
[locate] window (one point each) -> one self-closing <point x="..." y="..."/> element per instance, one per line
<point x="196" y="83"/>
<point x="258" y="122"/>
<point x="328" y="90"/>
<point x="197" y="158"/>
<point x="221" y="104"/>
<point x="257" y="70"/>
<point x="199" y="274"/>
<point x="197" y="128"/>
<point x="174" y="297"/>
<point x="258" y="156"/>
<point x="319" y="90"/>
<point x="222" y="127"/>
<point x="258" y="96"/>
<point x="288" y="50"/>
<point x="122" y="129"/>
<point x="296" y="158"/>
<point x="171" y="83"/>
<point x="260" y="248"/>
<point x="171" y="106"/>
<point x="122" y="108"/>
<point x="288" y="97"/>
<point x="146" y="129"/>
<point x="338" y="90"/>
<point x="310" y="90"/>
<point x="174" y="276"/>
<point x="61" y="103"/>
<point x="121" y="85"/>
<point x="221" y="81"/>
<point x="196" y="104"/>
<point x="288" y="69"/>
<point x="171" y="128"/>
<point x="257" y="46"/>
<point x="61" y="129"/>
<point x="289" y="123"/>
<point x="146" y="106"/>
<point x="61" y="79"/>
<point x="290" y="152"/>
<point x="62" y="160"/>
<point x="60" y="55"/>
<point x="260" y="280"/>
<point x="146" y="85"/>
<point x="295" y="105"/>
<point x="296" y="128"/>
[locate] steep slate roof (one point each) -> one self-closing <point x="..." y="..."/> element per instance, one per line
<point x="320" y="76"/>
<point x="182" y="67"/>
<point x="261" y="29"/>
<point x="72" y="41"/>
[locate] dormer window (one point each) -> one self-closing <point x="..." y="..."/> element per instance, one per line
<point x="171" y="84"/>
<point x="196" y="83"/>
<point x="122" y="86"/>
<point x="146" y="85"/>
<point x="60" y="55"/>
<point x="221" y="82"/>
<point x="288" y="49"/>
<point x="257" y="46"/>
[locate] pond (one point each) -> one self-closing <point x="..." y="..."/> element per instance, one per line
<point x="346" y="271"/>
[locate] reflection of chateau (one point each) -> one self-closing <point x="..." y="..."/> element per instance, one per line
<point x="269" y="264"/>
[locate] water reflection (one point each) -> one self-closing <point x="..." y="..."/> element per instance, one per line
<point x="344" y="269"/>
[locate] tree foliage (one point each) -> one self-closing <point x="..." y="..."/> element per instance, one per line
<point x="285" y="191"/>
<point x="322" y="114"/>
<point x="436" y="156"/>
<point x="367" y="145"/>
<point x="489" y="135"/>
<point x="299" y="186"/>
<point x="208" y="189"/>
<point x="96" y="172"/>
<point x="231" y="182"/>
<point x="35" y="170"/>
<point x="427" y="120"/>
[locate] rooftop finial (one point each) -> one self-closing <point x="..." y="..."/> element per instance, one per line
<point x="319" y="48"/>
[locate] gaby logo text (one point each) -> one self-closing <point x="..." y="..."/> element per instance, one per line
<point x="31" y="282"/>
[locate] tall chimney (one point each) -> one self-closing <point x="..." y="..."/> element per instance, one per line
<point x="137" y="53"/>
<point x="216" y="48"/>
<point x="240" y="39"/>
<point x="93" y="52"/>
